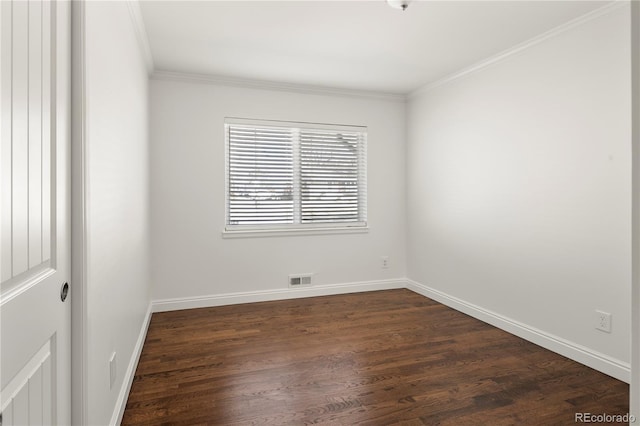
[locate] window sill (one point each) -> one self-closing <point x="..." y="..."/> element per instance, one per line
<point x="258" y="233"/>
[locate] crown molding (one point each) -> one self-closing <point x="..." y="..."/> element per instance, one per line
<point x="141" y="33"/>
<point x="218" y="80"/>
<point x="518" y="48"/>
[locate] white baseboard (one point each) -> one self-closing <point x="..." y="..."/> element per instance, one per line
<point x="598" y="361"/>
<point x="275" y="294"/>
<point x="123" y="395"/>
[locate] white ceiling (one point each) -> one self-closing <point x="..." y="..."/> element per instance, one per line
<point x="358" y="44"/>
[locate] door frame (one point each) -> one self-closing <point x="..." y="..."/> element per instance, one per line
<point x="634" y="394"/>
<point x="79" y="348"/>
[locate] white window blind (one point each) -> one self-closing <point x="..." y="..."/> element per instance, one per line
<point x="260" y="176"/>
<point x="295" y="175"/>
<point x="330" y="176"/>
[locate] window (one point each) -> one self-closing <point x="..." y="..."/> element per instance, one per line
<point x="292" y="176"/>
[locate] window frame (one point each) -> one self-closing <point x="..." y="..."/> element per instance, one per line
<point x="244" y="230"/>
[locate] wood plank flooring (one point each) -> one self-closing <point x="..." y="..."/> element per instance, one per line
<point x="379" y="358"/>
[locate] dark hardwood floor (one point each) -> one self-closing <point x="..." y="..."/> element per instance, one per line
<point x="380" y="358"/>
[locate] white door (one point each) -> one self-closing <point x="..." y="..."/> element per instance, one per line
<point x="34" y="212"/>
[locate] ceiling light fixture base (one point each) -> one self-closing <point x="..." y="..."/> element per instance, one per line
<point x="399" y="4"/>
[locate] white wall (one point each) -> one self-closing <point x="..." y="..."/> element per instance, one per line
<point x="189" y="256"/>
<point x="117" y="233"/>
<point x="519" y="180"/>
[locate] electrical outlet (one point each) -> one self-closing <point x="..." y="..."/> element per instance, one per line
<point x="112" y="370"/>
<point x="384" y="262"/>
<point x="603" y="321"/>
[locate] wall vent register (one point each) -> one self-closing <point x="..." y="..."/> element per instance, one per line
<point x="300" y="280"/>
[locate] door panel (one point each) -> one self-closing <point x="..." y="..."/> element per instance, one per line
<point x="31" y="392"/>
<point x="34" y="213"/>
